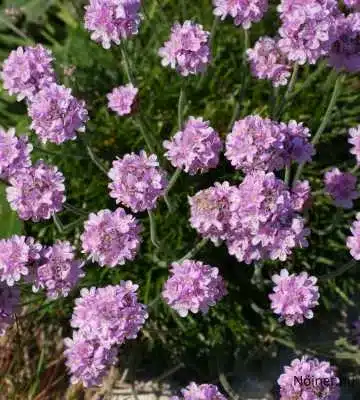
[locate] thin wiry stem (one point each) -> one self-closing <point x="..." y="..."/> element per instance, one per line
<point x="75" y="210"/>
<point x="153" y="236"/>
<point x="324" y="123"/>
<point x="193" y="251"/>
<point x="59" y="225"/>
<point x="126" y="63"/>
<point x="94" y="160"/>
<point x="16" y="30"/>
<point x="173" y="180"/>
<point x="144" y="134"/>
<point x="181" y="103"/>
<point x="287" y="174"/>
<point x="339" y="271"/>
<point x="288" y="92"/>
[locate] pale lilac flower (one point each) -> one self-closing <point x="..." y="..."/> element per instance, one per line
<point x="9" y="303"/>
<point x="341" y="186"/>
<point x="324" y="384"/>
<point x="27" y="70"/>
<point x="301" y="195"/>
<point x="244" y="12"/>
<point x="196" y="149"/>
<point x="345" y="51"/>
<point x="87" y="360"/>
<point x="14" y="153"/>
<point x="353" y="242"/>
<point x="354" y="4"/>
<point x="112" y="20"/>
<point x="193" y="286"/>
<point x="137" y="181"/>
<point x="267" y="62"/>
<point x="57" y="115"/>
<point x="112" y="313"/>
<point x="256" y="143"/>
<point x="17" y="254"/>
<point x="294" y="296"/>
<point x="188" y="49"/>
<point x="122" y="99"/>
<point x="200" y="392"/>
<point x="37" y="193"/>
<point x="111" y="238"/>
<point x="354" y="139"/>
<point x="264" y="221"/>
<point x="308" y="29"/>
<point x="58" y="271"/>
<point x="210" y="211"/>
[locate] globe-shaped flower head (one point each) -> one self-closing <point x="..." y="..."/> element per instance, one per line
<point x="14" y="153"/>
<point x="9" y="303"/>
<point x="122" y="99"/>
<point x="353" y="241"/>
<point x="193" y="286"/>
<point x="294" y="297"/>
<point x="345" y="51"/>
<point x="308" y="29"/>
<point x="195" y="149"/>
<point x="244" y="12"/>
<point x="112" y="313"/>
<point x="57" y="115"/>
<point x="59" y="271"/>
<point x="267" y="62"/>
<point x="27" y="70"/>
<point x="112" y="20"/>
<point x="111" y="238"/>
<point x="210" y="211"/>
<point x="188" y="49"/>
<point x="342" y="187"/>
<point x="87" y="360"/>
<point x="200" y="392"/>
<point x="17" y="254"/>
<point x="137" y="181"/>
<point x="265" y="223"/>
<point x="37" y="193"/>
<point x="324" y="384"/>
<point x="354" y="139"/>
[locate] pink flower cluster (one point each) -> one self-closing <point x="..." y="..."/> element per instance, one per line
<point x="112" y="20"/>
<point x="27" y="70"/>
<point x="137" y="181"/>
<point x="195" y="149"/>
<point x="111" y="238"/>
<point x="342" y="187"/>
<point x="37" y="193"/>
<point x="204" y="391"/>
<point x="187" y="50"/>
<point x="324" y="384"/>
<point x="256" y="143"/>
<point x="56" y="114"/>
<point x="268" y="62"/>
<point x="122" y="99"/>
<point x="308" y="29"/>
<point x="244" y="12"/>
<point x="294" y="297"/>
<point x="14" y="154"/>
<point x="105" y="317"/>
<point x="193" y="286"/>
<point x="353" y="242"/>
<point x="354" y="139"/>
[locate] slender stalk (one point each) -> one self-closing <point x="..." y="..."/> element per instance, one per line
<point x="144" y="134"/>
<point x="355" y="169"/>
<point x="181" y="103"/>
<point x="287" y="174"/>
<point x="325" y="121"/>
<point x="288" y="91"/>
<point x="75" y="210"/>
<point x="59" y="225"/>
<point x="153" y="236"/>
<point x="16" y="30"/>
<point x="193" y="251"/>
<point x="126" y="63"/>
<point x="339" y="271"/>
<point x="94" y="160"/>
<point x="173" y="180"/>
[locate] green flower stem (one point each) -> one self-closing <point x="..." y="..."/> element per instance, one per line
<point x="325" y="121"/>
<point x="95" y="160"/>
<point x="173" y="180"/>
<point x="339" y="271"/>
<point x="288" y="92"/>
<point x="181" y="103"/>
<point x="75" y="210"/>
<point x="126" y="63"/>
<point x="153" y="236"/>
<point x="59" y="225"/>
<point x="355" y="169"/>
<point x="193" y="251"/>
<point x="287" y="174"/>
<point x="16" y="30"/>
<point x="144" y="134"/>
